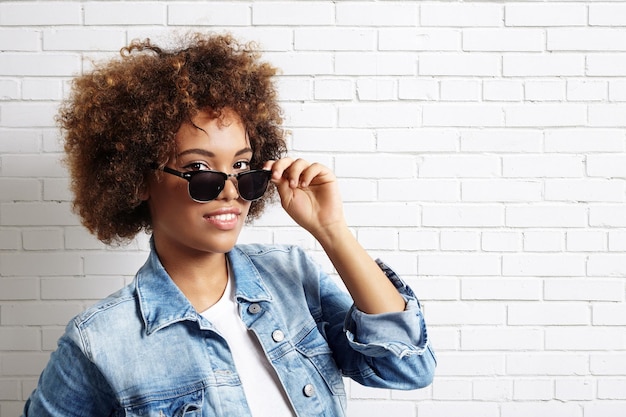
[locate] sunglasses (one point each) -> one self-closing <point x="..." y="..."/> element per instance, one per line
<point x="205" y="186"/>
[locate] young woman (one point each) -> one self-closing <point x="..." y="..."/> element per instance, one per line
<point x="187" y="144"/>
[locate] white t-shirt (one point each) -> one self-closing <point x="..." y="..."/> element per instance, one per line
<point x="264" y="392"/>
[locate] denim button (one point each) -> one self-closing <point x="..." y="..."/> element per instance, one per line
<point x="278" y="336"/>
<point x="254" y="309"/>
<point x="309" y="390"/>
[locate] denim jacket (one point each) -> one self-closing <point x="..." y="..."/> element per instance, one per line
<point x="145" y="351"/>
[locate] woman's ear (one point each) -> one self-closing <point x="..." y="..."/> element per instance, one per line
<point x="143" y="190"/>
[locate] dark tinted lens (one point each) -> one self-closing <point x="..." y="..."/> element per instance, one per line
<point x="252" y="185"/>
<point x="206" y="185"/>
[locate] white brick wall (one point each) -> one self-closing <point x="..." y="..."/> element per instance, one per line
<point x="481" y="149"/>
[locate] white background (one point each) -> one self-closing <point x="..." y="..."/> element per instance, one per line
<point x="481" y="152"/>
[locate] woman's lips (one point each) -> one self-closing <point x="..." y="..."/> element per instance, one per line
<point x="224" y="219"/>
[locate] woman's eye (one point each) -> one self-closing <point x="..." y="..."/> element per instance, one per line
<point x="197" y="166"/>
<point x="241" y="165"/>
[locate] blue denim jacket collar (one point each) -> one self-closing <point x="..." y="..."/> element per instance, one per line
<point x="162" y="303"/>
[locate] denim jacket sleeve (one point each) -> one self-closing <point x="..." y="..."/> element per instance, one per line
<point x="389" y="350"/>
<point x="70" y="386"/>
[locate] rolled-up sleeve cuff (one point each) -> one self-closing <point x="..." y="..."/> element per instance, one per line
<point x="399" y="334"/>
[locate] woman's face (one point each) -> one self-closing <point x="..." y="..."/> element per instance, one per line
<point x="182" y="226"/>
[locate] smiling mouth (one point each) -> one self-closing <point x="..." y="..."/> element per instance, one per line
<point x="227" y="217"/>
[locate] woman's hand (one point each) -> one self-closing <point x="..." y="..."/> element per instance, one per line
<point x="309" y="194"/>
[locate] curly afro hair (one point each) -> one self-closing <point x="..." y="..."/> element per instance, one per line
<point x="121" y="118"/>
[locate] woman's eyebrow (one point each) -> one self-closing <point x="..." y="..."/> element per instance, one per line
<point x="210" y="154"/>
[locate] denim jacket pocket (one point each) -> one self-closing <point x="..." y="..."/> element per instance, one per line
<point x="315" y="349"/>
<point x="188" y="405"/>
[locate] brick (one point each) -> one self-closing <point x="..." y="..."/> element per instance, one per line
<point x="459" y="166"/>
<point x="335" y="39"/>
<point x="607" y="14"/>
<point x="130" y="13"/>
<point x="506" y="141"/>
<point x="455" y="90"/>
<point x="460" y="240"/>
<point x="418" y="89"/>
<point x="333" y="140"/>
<point x="493" y="390"/>
<point x="461" y="14"/>
<point x="465" y="314"/>
<point x="543" y="241"/>
<point x="585" y="141"/>
<point x="37" y="214"/>
<point x="35" y="165"/>
<point x="501" y="241"/>
<point x="589" y="190"/>
<point x="584" y="289"/>
<point x="387" y="166"/>
<point x="439" y="288"/>
<point x="548" y="314"/>
<point x="42" y="89"/>
<point x="501" y="338"/>
<point x="546" y="14"/>
<point x="606" y="265"/>
<point x="448" y="389"/>
<point x="586" y="39"/>
<point x="587" y="90"/>
<point x="309" y="115"/>
<point x="606" y="165"/>
<point x="542" y="165"/>
<point x="607" y="115"/>
<point x="418" y="239"/>
<point x="83" y="288"/>
<point x="500" y="190"/>
<point x="612" y="390"/>
<point x="386" y="115"/>
<point x="463" y="216"/>
<point x="27" y="115"/>
<point x="458" y="264"/>
<point x="376" y="90"/>
<point x="23" y="288"/>
<point x="545" y="91"/>
<point x="551" y="265"/>
<point x="463" y="115"/>
<point x="83" y="39"/>
<point x="416" y="140"/>
<point x="386" y="239"/>
<point x="459" y="408"/>
<point x="39" y="314"/>
<point x="585" y="338"/>
<point x="334" y="89"/>
<point x="412" y="39"/>
<point x="418" y="190"/>
<point x="548" y="115"/>
<point x="39" y="14"/>
<point x="607" y="65"/>
<point x="503" y="90"/>
<point x="617" y="90"/>
<point x="586" y="241"/>
<point x="546" y="216"/>
<point x="17" y="189"/>
<point x="382" y="215"/>
<point x="42" y="239"/>
<point x="609" y="314"/>
<point x="574" y="389"/>
<point x="607" y="363"/>
<point x="301" y="63"/>
<point x="22" y="39"/>
<point x="10" y="239"/>
<point x="113" y="263"/>
<point x="537" y="389"/>
<point x="20" y="338"/>
<point x="607" y="215"/>
<point x="35" y="264"/>
<point x="542" y="65"/>
<point x="23" y="364"/>
<point x="294" y="89"/>
<point x="504" y="40"/>
<point x="357" y="190"/>
<point x="617" y="241"/>
<point x="553" y="409"/>
<point x="547" y="363"/>
<point x="57" y="189"/>
<point x="9" y="389"/>
<point x="501" y="288"/>
<point x="375" y="63"/>
<point x="457" y="64"/>
<point x="376" y="14"/>
<point x="293" y="14"/>
<point x="377" y="408"/>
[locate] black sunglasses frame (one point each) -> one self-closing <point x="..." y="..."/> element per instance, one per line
<point x="189" y="176"/>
